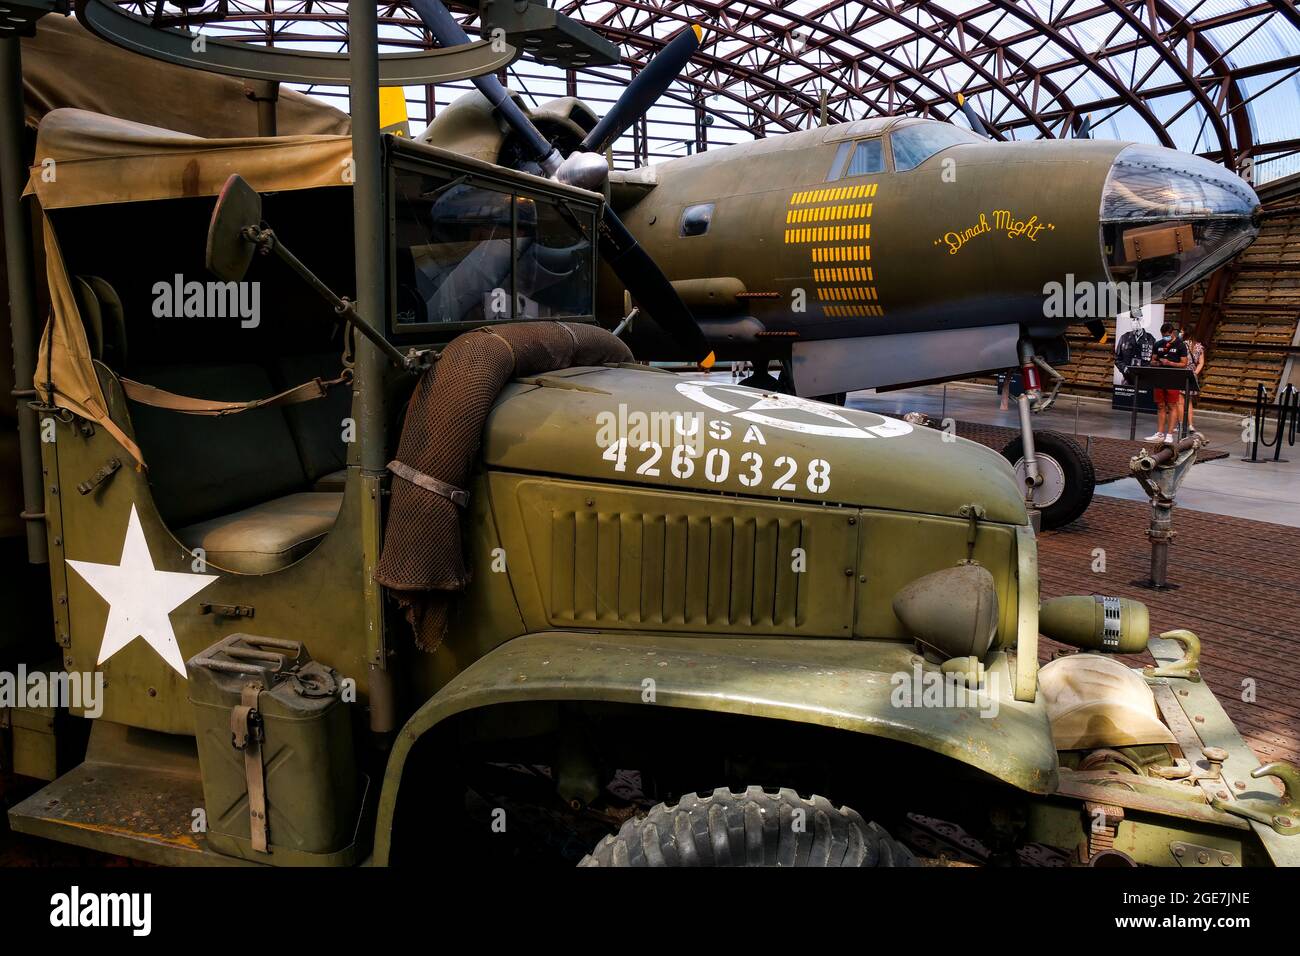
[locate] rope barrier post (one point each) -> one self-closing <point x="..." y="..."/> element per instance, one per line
<point x="1257" y="418"/>
<point x="1286" y="410"/>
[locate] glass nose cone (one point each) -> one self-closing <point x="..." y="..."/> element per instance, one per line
<point x="1168" y="218"/>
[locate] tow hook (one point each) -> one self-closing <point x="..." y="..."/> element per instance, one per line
<point x="1187" y="667"/>
<point x="1282" y="814"/>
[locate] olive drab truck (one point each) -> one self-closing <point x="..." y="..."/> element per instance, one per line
<point x="623" y="606"/>
<point x="368" y="543"/>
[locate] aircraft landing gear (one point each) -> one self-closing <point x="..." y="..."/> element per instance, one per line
<point x="764" y="379"/>
<point x="1066" y="476"/>
<point x="1056" y="474"/>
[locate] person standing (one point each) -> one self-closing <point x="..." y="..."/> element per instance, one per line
<point x="1170" y="352"/>
<point x="1196" y="362"/>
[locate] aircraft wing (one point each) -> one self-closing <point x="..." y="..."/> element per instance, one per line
<point x="627" y="187"/>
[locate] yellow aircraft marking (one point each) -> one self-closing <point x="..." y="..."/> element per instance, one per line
<point x="842" y="254"/>
<point x="828" y="234"/>
<point x="851" y="274"/>
<point x="852" y="311"/>
<point x="827" y="213"/>
<point x="808" y="196"/>
<point x="844" y="294"/>
<point x="860" y="297"/>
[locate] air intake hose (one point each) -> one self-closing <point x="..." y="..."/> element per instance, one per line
<point x="422" y="560"/>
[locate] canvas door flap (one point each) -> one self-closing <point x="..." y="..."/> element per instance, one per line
<point x="65" y="373"/>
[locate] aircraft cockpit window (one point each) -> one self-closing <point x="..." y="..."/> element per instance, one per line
<point x="913" y="145"/>
<point x="696" y="219"/>
<point x="868" y="158"/>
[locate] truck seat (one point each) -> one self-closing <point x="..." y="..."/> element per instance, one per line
<point x="234" y="486"/>
<point x="334" y="481"/>
<point x="267" y="536"/>
<point x="317" y="427"/>
<point x="255" y="490"/>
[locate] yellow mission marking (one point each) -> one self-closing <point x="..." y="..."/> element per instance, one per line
<point x="842" y="254"/>
<point x="858" y="300"/>
<point x="828" y="234"/>
<point x="851" y="274"/>
<point x="858" y="294"/>
<point x="829" y="213"/>
<point x="852" y="311"/>
<point x="838" y="194"/>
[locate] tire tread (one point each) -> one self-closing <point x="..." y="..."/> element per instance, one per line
<point x="750" y="828"/>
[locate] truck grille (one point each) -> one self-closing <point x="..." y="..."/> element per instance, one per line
<point x="675" y="569"/>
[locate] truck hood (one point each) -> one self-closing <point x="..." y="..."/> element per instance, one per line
<point x="649" y="427"/>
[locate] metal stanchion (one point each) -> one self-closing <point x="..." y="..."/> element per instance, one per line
<point x="1288" y="409"/>
<point x="1258" y="417"/>
<point x="1160" y="472"/>
<point x="1286" y="424"/>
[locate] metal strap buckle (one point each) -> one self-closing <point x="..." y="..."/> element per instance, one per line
<point x="418" y="478"/>
<point x="246" y="734"/>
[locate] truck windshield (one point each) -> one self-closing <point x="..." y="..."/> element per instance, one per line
<point x="554" y="268"/>
<point x="470" y="254"/>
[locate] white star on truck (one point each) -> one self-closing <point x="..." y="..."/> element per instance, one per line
<point x="140" y="597"/>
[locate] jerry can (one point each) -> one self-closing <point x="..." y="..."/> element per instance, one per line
<point x="275" y="749"/>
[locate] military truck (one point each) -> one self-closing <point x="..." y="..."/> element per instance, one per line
<point x="500" y="591"/>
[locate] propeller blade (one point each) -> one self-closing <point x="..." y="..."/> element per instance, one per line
<point x="638" y="272"/>
<point x="646" y="87"/>
<point x="1084" y="130"/>
<point x="972" y="117"/>
<point x="648" y="285"/>
<point x="449" y="33"/>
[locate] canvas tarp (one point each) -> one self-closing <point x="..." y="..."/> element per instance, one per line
<point x="64" y="65"/>
<point x="100" y="159"/>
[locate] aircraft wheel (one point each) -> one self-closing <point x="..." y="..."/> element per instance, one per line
<point x="1069" y="479"/>
<point x="754" y="828"/>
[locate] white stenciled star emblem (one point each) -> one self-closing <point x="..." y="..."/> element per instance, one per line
<point x="790" y="412"/>
<point x="140" y="597"/>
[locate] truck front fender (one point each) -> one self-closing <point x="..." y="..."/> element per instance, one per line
<point x="871" y="687"/>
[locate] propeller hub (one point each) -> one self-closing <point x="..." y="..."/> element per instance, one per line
<point x="584" y="170"/>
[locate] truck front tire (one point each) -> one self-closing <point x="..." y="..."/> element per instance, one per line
<point x="754" y="828"/>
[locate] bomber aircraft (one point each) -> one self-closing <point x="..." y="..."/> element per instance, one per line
<point x="887" y="252"/>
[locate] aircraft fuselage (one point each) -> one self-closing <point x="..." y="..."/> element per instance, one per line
<point x="823" y="235"/>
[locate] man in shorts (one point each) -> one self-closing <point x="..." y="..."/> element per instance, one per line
<point x="1170" y="352"/>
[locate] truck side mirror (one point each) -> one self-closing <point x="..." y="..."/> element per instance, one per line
<point x="230" y="248"/>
